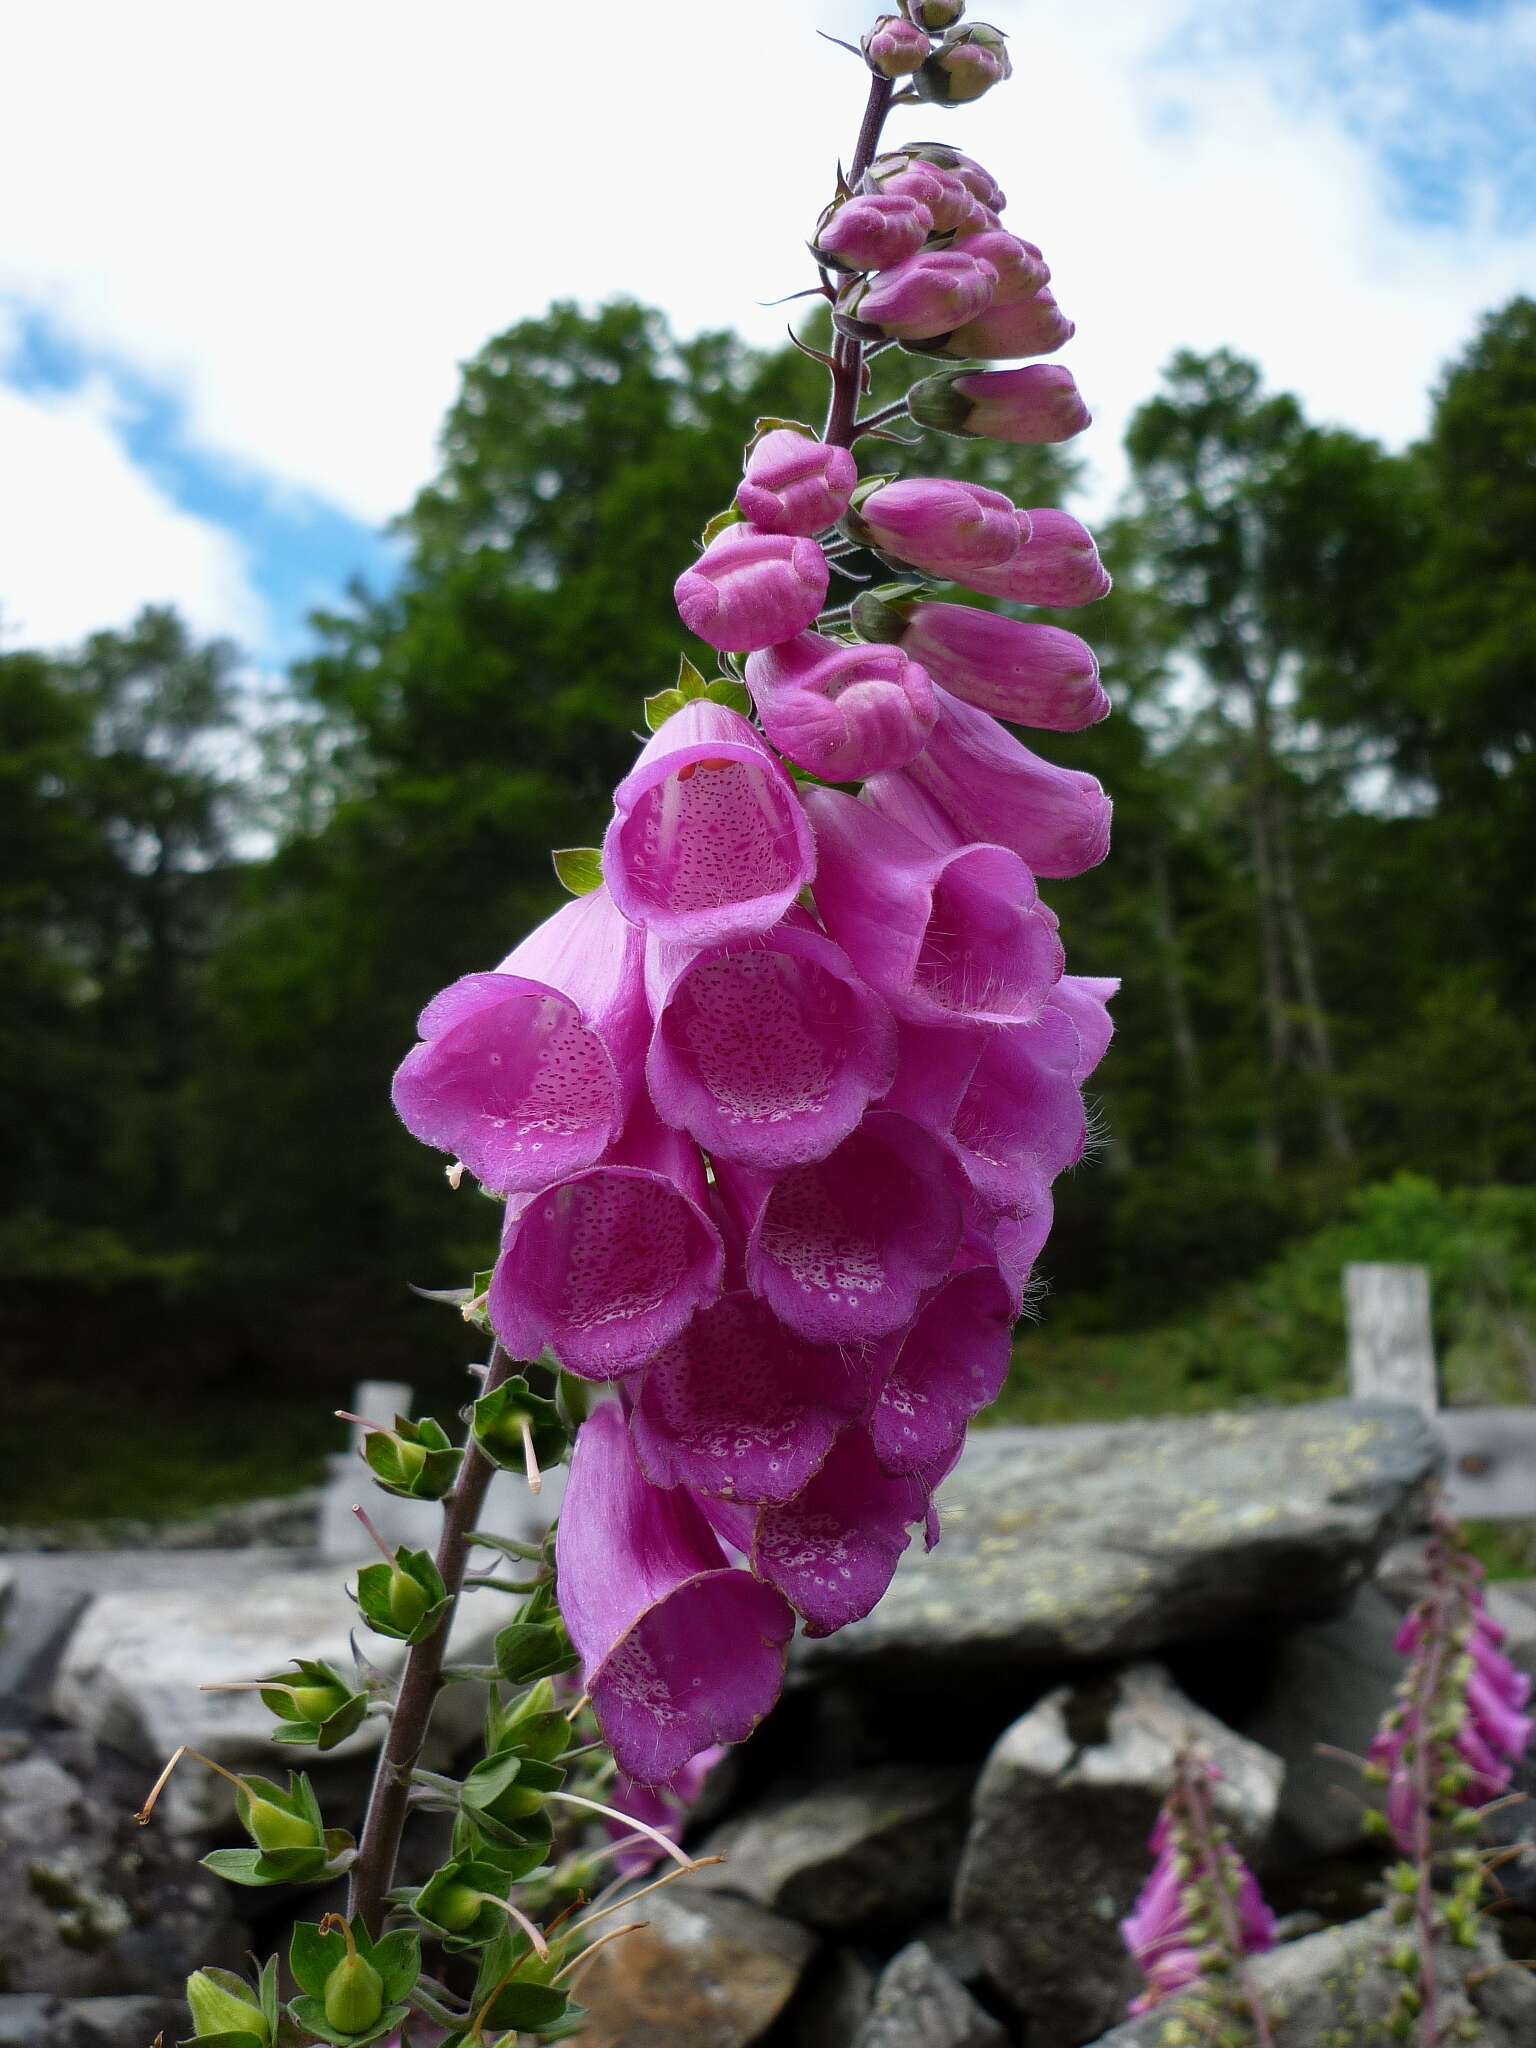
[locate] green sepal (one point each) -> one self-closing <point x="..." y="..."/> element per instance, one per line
<point x="513" y="1861"/>
<point x="374" y="1587"/>
<point x="251" y="1867"/>
<point x="415" y="1460"/>
<point x="334" y="1727"/>
<point x="526" y="1650"/>
<point x="312" y="1956"/>
<point x="526" y="2008"/>
<point x="504" y="1795"/>
<point x="719" y="524"/>
<point x="235" y="1996"/>
<point x="494" y="1419"/>
<point x="476" y="1872"/>
<point x="691" y="685"/>
<point x="224" y="2041"/>
<point x="578" y="869"/>
<point x="309" y="2014"/>
<point x="531" y="1724"/>
<point x="733" y="695"/>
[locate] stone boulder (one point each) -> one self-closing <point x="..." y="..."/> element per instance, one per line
<point x="1330" y="1988"/>
<point x="1100" y="1541"/>
<point x="32" y="2020"/>
<point x="90" y="1904"/>
<point x="919" y="2005"/>
<point x="873" y="1853"/>
<point x="706" y="1971"/>
<point x="1058" y="1844"/>
<point x="131" y="1671"/>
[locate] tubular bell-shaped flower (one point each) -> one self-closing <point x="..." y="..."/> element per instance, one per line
<point x="708" y="839"/>
<point x="842" y="712"/>
<point x="678" y="1649"/>
<point x="1021" y="1120"/>
<point x="1028" y="673"/>
<point x="928" y="294"/>
<point x="991" y="788"/>
<point x="741" y="1408"/>
<point x="795" y="484"/>
<point x="952" y="1364"/>
<point x="604" y="1267"/>
<point x="872" y="231"/>
<point x="934" y="520"/>
<point x="843" y="1250"/>
<point x="1057" y="565"/>
<point x="834" y="1548"/>
<point x="767" y="1050"/>
<point x="1032" y="406"/>
<point x="1035" y="326"/>
<point x="948" y="934"/>
<point x="527" y="1073"/>
<point x="749" y="589"/>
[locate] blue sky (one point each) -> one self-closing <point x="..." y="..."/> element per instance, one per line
<point x="253" y="245"/>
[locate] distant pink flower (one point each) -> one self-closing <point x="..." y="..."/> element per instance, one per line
<point x="678" y="1649"/>
<point x="663" y="1807"/>
<point x="708" y="840"/>
<point x="749" y="589"/>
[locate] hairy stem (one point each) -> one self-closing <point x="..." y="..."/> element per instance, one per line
<point x="847" y="353"/>
<point x="1202" y="1826"/>
<point x="894" y="411"/>
<point x="374" y="1871"/>
<point x="1424" y="1835"/>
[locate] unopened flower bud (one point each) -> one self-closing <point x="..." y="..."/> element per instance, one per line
<point x="273" y="1827"/>
<point x="1033" y="327"/>
<point x="969" y="62"/>
<point x="976" y="179"/>
<point x="937" y="520"/>
<point x="796" y="484"/>
<point x="457" y="1906"/>
<point x="928" y="296"/>
<point x="218" y="2008"/>
<point x="933" y="15"/>
<point x="1033" y="406"/>
<point x="354" y="1993"/>
<point x="842" y="712"/>
<point x="895" y="47"/>
<point x="954" y="206"/>
<point x="407" y="1600"/>
<point x="872" y="231"/>
<point x="1021" y="269"/>
<point x="751" y="589"/>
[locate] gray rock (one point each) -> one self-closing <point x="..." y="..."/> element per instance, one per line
<point x="873" y="1853"/>
<point x="1058" y="1844"/>
<point x="919" y="2005"/>
<point x="1330" y="1987"/>
<point x="1109" y="1540"/>
<point x="29" y="2021"/>
<point x="131" y="1672"/>
<point x="1332" y="1682"/>
<point x="89" y="1904"/>
<point x="834" y="2001"/>
<point x="706" y="1971"/>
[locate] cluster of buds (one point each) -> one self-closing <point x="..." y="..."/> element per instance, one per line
<point x="944" y="61"/>
<point x="1200" y="1915"/>
<point x="777" y="1102"/>
<point x="1447" y="1749"/>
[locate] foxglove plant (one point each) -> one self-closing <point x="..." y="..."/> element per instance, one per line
<point x="1200" y="1915"/>
<point x="774" y="1108"/>
<point x="1447" y="1749"/>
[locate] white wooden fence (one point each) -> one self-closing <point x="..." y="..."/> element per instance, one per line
<point x="1490" y="1452"/>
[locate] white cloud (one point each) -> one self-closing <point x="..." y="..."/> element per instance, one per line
<point x="86" y="538"/>
<point x="301" y="218"/>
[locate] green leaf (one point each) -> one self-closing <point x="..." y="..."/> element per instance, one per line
<point x="578" y="869"/>
<point x="524" y="2007"/>
<point x="529" y="1650"/>
<point x="312" y="1956"/>
<point x="223" y="2041"/>
<point x="662" y="706"/>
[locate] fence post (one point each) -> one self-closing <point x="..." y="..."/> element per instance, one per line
<point x="1391" y="1347"/>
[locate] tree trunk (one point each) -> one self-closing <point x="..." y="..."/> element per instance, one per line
<point x="1181" y="1029"/>
<point x="1267" y="906"/>
<point x="1330" y="1110"/>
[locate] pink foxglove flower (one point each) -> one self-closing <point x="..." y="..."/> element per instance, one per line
<point x="950" y="934"/>
<point x="767" y="1050"/>
<point x="1027" y="673"/>
<point x="844" y="1250"/>
<point x="1057" y="565"/>
<point x="952" y="1363"/>
<point x="741" y="1408"/>
<point x="833" y="1550"/>
<point x="528" y="1073"/>
<point x="1022" y="271"/>
<point x="605" y="1267"/>
<point x="749" y="589"/>
<point x="708" y="840"/>
<point x="1033" y="406"/>
<point x="969" y="62"/>
<point x="1021" y="1121"/>
<point x="934" y="521"/>
<point x="894" y="47"/>
<point x="931" y="293"/>
<point x="991" y="788"/>
<point x="872" y="231"/>
<point x="978" y="181"/>
<point x="842" y="712"/>
<point x="948" y="197"/>
<point x="795" y="484"/>
<point x="678" y="1649"/>
<point x="1029" y="327"/>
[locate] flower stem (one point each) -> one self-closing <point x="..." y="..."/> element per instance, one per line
<point x="374" y="1871"/>
<point x="848" y="354"/>
<point x="1202" y="1827"/>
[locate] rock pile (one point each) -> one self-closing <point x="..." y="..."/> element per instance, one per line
<point x="931" y="1841"/>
